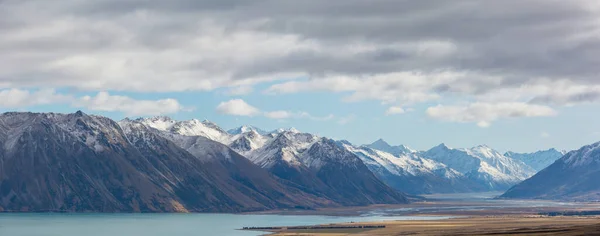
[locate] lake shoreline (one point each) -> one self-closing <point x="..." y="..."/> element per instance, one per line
<point x="479" y="225"/>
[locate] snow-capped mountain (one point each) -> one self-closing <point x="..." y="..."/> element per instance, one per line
<point x="193" y="127"/>
<point x="93" y="164"/>
<point x="286" y="153"/>
<point x="573" y="177"/>
<point x="382" y="145"/>
<point x="538" y="160"/>
<point x="323" y="168"/>
<point x="246" y="129"/>
<point x="411" y="173"/>
<point x="483" y="165"/>
<point x="438" y="170"/>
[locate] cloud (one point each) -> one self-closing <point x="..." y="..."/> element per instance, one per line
<point x="140" y="45"/>
<point x="237" y="107"/>
<point x="307" y="115"/>
<point x="483" y="114"/>
<point x="18" y="98"/>
<point x="103" y="101"/>
<point x="396" y="52"/>
<point x="278" y="114"/>
<point x="395" y="110"/>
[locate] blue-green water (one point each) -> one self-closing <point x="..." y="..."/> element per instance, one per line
<point x="159" y="224"/>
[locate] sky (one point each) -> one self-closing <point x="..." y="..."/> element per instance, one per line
<point x="519" y="75"/>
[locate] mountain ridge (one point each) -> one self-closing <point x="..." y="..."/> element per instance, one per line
<point x="572" y="177"/>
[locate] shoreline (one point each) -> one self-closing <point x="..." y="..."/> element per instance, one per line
<point x="470" y="225"/>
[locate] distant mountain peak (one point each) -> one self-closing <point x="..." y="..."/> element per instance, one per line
<point x="282" y="130"/>
<point x="441" y="146"/>
<point x="384" y="146"/>
<point x="208" y="122"/>
<point x="381" y="142"/>
<point x="80" y="113"/>
<point x="245" y="129"/>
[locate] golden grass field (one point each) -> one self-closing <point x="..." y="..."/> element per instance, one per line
<point x="479" y="225"/>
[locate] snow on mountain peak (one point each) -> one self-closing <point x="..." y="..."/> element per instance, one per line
<point x="538" y="160"/>
<point x="245" y="129"/>
<point x="441" y="146"/>
<point x="291" y="129"/>
<point x="158" y="122"/>
<point x="584" y="156"/>
<point x="483" y="163"/>
<point x="382" y="145"/>
<point x="192" y="127"/>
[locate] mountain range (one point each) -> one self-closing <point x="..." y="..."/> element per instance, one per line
<point x="85" y="163"/>
<point x="438" y="170"/>
<point x="573" y="177"/>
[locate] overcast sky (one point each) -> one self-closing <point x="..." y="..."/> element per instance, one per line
<point x="514" y="74"/>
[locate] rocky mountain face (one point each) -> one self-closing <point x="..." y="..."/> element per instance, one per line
<point x="294" y="157"/>
<point x="312" y="164"/>
<point x="573" y="177"/>
<point x="407" y="171"/>
<point x="83" y="163"/>
<point x="537" y="160"/>
<point x="246" y="129"/>
<point x="482" y="165"/>
<point x="383" y="146"/>
<point x="442" y="169"/>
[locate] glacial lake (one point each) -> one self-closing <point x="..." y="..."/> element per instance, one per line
<point x="64" y="224"/>
<point x="51" y="224"/>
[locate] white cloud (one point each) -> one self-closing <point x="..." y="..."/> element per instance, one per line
<point x="237" y="107"/>
<point x="17" y="98"/>
<point x="307" y="115"/>
<point x="399" y="52"/>
<point x="103" y="101"/>
<point x="395" y="110"/>
<point x="403" y="88"/>
<point x="278" y="114"/>
<point x="485" y="113"/>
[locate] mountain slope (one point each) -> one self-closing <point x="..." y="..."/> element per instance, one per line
<point x="283" y="154"/>
<point x="235" y="176"/>
<point x="572" y="177"/>
<point x="246" y="129"/>
<point x="482" y="165"/>
<point x="73" y="162"/>
<point x="408" y="172"/>
<point x="82" y="163"/>
<point x="382" y="145"/>
<point x="537" y="160"/>
<point x="323" y="168"/>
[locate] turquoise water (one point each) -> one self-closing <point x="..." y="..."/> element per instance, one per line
<point x="33" y="224"/>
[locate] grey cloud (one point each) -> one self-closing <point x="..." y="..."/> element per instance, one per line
<point x="516" y="40"/>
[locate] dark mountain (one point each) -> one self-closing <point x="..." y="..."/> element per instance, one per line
<point x="82" y="163"/>
<point x="323" y="168"/>
<point x="233" y="173"/>
<point x="575" y="176"/>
